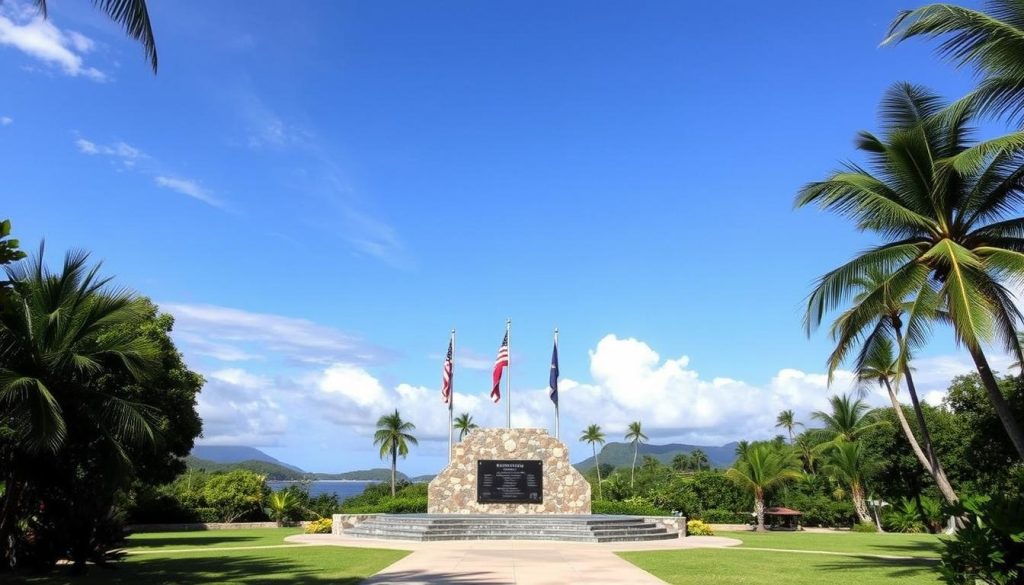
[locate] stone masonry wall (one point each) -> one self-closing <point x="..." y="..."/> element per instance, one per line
<point x="454" y="490"/>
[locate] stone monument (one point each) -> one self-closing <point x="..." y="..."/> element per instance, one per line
<point x="509" y="471"/>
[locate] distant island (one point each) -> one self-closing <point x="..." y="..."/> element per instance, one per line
<point x="621" y="454"/>
<point x="228" y="458"/>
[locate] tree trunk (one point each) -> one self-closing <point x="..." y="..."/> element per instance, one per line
<point x="931" y="465"/>
<point x="759" y="510"/>
<point x="394" y="464"/>
<point x="632" y="470"/>
<point x="600" y="493"/>
<point x="995" y="396"/>
<point x="859" y="506"/>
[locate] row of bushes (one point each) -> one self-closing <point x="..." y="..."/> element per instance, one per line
<point x="409" y="498"/>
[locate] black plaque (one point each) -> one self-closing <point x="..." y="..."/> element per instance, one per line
<point x="509" y="481"/>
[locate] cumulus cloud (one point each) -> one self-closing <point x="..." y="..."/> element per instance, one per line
<point x="6" y="120"/>
<point x="240" y="408"/>
<point x="188" y="187"/>
<point x="25" y="30"/>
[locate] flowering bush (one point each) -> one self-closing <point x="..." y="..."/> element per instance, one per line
<point x="698" y="528"/>
<point x="321" y="526"/>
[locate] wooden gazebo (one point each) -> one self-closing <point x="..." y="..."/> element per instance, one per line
<point x="783" y="518"/>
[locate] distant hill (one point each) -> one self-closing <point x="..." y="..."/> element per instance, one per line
<point x="621" y="454"/>
<point x="379" y="474"/>
<point x="275" y="471"/>
<point x="422" y="478"/>
<point x="232" y="454"/>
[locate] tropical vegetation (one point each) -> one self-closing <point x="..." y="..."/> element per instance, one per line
<point x="394" y="437"/>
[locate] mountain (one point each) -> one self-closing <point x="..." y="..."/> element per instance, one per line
<point x="275" y="471"/>
<point x="621" y="454"/>
<point x="379" y="474"/>
<point x="232" y="454"/>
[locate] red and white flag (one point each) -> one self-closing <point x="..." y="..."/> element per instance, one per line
<point x="499" y="366"/>
<point x="446" y="377"/>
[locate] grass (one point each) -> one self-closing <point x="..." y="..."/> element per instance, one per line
<point x="856" y="559"/>
<point x="207" y="558"/>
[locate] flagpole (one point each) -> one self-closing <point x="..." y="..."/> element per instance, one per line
<point x="451" y="400"/>
<point x="508" y="377"/>
<point x="559" y="397"/>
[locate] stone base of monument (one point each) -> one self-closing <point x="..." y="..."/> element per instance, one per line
<point x="583" y="528"/>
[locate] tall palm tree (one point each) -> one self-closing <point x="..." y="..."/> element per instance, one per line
<point x="880" y="366"/>
<point x="636" y="436"/>
<point x="699" y="458"/>
<point x="848" y="420"/>
<point x="595" y="437"/>
<point x="943" y="225"/>
<point x="806" y="449"/>
<point x="847" y="462"/>
<point x="992" y="41"/>
<point x="464" y="423"/>
<point x="133" y="15"/>
<point x="760" y="468"/>
<point x="394" y="438"/>
<point x="787" y="420"/>
<point x="62" y="332"/>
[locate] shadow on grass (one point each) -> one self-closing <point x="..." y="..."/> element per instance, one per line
<point x="934" y="548"/>
<point x="206" y="539"/>
<point x="892" y="567"/>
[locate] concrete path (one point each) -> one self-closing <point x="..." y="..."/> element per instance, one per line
<point x="514" y="561"/>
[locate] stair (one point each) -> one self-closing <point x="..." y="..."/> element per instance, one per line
<point x="431" y="527"/>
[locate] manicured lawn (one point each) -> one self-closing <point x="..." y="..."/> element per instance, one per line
<point x="740" y="565"/>
<point x="201" y="565"/>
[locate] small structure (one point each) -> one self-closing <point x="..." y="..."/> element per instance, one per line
<point x="783" y="519"/>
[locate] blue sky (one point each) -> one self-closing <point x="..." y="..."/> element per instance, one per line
<point x="319" y="191"/>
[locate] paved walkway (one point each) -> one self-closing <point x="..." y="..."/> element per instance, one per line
<point x="531" y="562"/>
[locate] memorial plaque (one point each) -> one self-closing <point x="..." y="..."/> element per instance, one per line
<point x="509" y="482"/>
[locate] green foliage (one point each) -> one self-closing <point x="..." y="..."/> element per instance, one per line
<point x="904" y="517"/>
<point x="715" y="516"/>
<point x="394" y="436"/>
<point x="272" y="471"/>
<point x="464" y="424"/>
<point x="282" y="505"/>
<point x="237" y="495"/>
<point x="635" y="506"/>
<point x="990" y="548"/>
<point x="377" y="499"/>
<point x="864" y="527"/>
<point x="321" y="526"/>
<point x="9" y="251"/>
<point x="698" y="528"/>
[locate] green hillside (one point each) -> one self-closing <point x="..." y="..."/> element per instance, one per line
<point x="273" y="471"/>
<point x="379" y="474"/>
<point x="621" y="454"/>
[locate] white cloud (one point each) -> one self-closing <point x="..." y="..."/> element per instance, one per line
<point x="188" y="187"/>
<point x="6" y="120"/>
<point x="86" y="147"/>
<point x="239" y="408"/>
<point x="39" y="38"/>
<point x="124" y="153"/>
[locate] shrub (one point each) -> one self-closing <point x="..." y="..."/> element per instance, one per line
<point x="632" y="507"/>
<point x="990" y="548"/>
<point x="398" y="505"/>
<point x="724" y="517"/>
<point x="321" y="526"/>
<point x="864" y="527"/>
<point x="698" y="528"/>
<point x="904" y="517"/>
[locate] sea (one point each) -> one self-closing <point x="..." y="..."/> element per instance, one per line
<point x="342" y="488"/>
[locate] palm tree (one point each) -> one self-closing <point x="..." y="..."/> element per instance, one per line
<point x="62" y="333"/>
<point x="681" y="462"/>
<point x="636" y="436"/>
<point x="787" y="420"/>
<point x="880" y="366"/>
<point x="394" y="438"/>
<point x="760" y="468"/>
<point x="132" y="15"/>
<point x="464" y="423"/>
<point x="741" y="448"/>
<point x="595" y="437"/>
<point x="943" y="224"/>
<point x="806" y="449"/>
<point x="281" y="504"/>
<point x="847" y="462"/>
<point x="848" y="420"/>
<point x="699" y="458"/>
<point x="990" y="41"/>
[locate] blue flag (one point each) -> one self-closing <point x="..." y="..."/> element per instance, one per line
<point x="553" y="380"/>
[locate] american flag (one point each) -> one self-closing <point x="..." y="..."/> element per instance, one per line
<point x="446" y="377"/>
<point x="499" y="365"/>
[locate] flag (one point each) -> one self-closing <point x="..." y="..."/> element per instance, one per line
<point x="499" y="365"/>
<point x="553" y="380"/>
<point x="446" y="377"/>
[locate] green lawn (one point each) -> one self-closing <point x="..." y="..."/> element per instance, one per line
<point x="304" y="565"/>
<point x="740" y="565"/>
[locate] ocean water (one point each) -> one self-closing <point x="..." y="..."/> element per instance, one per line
<point x="343" y="489"/>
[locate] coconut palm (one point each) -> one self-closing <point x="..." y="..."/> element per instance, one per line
<point x="130" y="14"/>
<point x="992" y="41"/>
<point x="880" y="366"/>
<point x="394" y="438"/>
<point x="60" y="334"/>
<point x="595" y="437"/>
<point x="806" y="449"/>
<point x="787" y="420"/>
<point x="699" y="458"/>
<point x="281" y="504"/>
<point x="944" y="227"/>
<point x="464" y="423"/>
<point x="760" y="468"/>
<point x="636" y="436"/>
<point x="847" y="462"/>
<point x="848" y="420"/>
